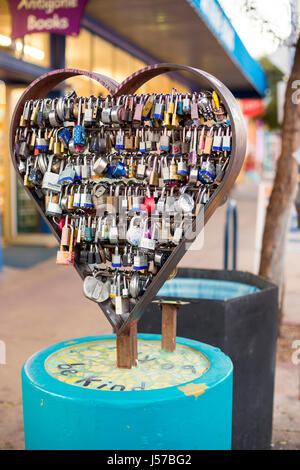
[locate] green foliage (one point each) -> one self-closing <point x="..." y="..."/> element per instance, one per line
<point x="274" y="75"/>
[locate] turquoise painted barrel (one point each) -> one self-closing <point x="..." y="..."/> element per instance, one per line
<point x="75" y="398"/>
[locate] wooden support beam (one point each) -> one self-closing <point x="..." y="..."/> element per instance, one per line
<point x="127" y="347"/>
<point x="168" y="326"/>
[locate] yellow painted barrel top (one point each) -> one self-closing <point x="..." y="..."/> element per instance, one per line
<point x="93" y="365"/>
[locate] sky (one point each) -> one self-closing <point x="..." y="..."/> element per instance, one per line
<point x="255" y="37"/>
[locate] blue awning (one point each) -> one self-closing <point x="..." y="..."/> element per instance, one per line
<point x="188" y="32"/>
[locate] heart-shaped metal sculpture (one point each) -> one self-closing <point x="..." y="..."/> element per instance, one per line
<point x="39" y="89"/>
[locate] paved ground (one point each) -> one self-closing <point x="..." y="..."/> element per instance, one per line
<point x="42" y="305"/>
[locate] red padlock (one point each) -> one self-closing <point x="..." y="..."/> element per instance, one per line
<point x="61" y="223"/>
<point x="149" y="204"/>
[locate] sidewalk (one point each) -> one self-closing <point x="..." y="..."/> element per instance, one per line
<point x="44" y="305"/>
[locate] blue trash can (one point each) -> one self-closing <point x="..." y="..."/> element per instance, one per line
<point x="74" y="397"/>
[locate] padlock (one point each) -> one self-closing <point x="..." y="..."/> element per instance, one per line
<point x="116" y="261"/>
<point x="141" y="169"/>
<point x="160" y="206"/>
<point x="207" y="172"/>
<point x="120" y="143"/>
<point x="79" y="133"/>
<point x="116" y="112"/>
<point x="164" y="143"/>
<point x="185" y="203"/>
<point x="201" y="143"/>
<point x="35" y="175"/>
<point x="100" y="165"/>
<point x="165" y="170"/>
<point x="57" y="146"/>
<point x="147" y="243"/>
<point x="170" y="202"/>
<point x="94" y="146"/>
<point x="220" y="171"/>
<point x="192" y="160"/>
<point x="136" y="286"/>
<point x="217" y="141"/>
<point x="34" y="113"/>
<point x="65" y="233"/>
<point x="67" y="175"/>
<point x="64" y="135"/>
<point x="113" y="233"/>
<point x="122" y="200"/>
<point x="199" y="202"/>
<point x="208" y="141"/>
<point x="205" y="107"/>
<point x="77" y="168"/>
<point x="149" y="203"/>
<point x="103" y="229"/>
<point x="159" y="108"/>
<point x="153" y="178"/>
<point x="178" y="234"/>
<point x="186" y="105"/>
<point x="173" y="170"/>
<point x="87" y="230"/>
<point x="86" y="199"/>
<point x="53" y="208"/>
<point x="88" y="120"/>
<point x="121" y="303"/>
<point x="77" y="196"/>
<point x="106" y="111"/>
<point x="140" y="261"/>
<point x="137" y="200"/>
<point x="50" y="179"/>
<point x="194" y="108"/>
<point x="53" y="117"/>
<point x="127" y="258"/>
<point x="138" y="109"/>
<point x="182" y="167"/>
<point x="66" y="257"/>
<point x="86" y="169"/>
<point x="41" y="143"/>
<point x="160" y="257"/>
<point x="91" y="255"/>
<point x="99" y="198"/>
<point x="226" y="143"/>
<point x="111" y="202"/>
<point x="132" y="168"/>
<point x="134" y="232"/>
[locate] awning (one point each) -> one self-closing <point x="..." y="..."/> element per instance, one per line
<point x="188" y="32"/>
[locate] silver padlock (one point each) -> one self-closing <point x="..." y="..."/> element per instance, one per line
<point x="140" y="261"/>
<point x="147" y="244"/>
<point x="50" y="179"/>
<point x="54" y="208"/>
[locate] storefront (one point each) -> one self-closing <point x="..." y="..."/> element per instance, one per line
<point x="102" y="46"/>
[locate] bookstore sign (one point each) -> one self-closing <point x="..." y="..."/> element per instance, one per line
<point x="51" y="16"/>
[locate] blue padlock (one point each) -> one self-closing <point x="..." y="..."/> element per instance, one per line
<point x="79" y="133"/>
<point x="119" y="170"/>
<point x="207" y="173"/>
<point x="65" y="136"/>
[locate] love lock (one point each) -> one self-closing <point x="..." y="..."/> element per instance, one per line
<point x="95" y="290"/>
<point x="165" y="140"/>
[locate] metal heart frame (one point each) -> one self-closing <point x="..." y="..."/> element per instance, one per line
<point x="39" y="89"/>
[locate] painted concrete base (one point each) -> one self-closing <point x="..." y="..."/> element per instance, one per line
<point x="75" y="408"/>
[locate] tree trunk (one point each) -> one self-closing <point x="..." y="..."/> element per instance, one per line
<point x="284" y="190"/>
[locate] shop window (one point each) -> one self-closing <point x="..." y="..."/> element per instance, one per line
<point x="34" y="48"/>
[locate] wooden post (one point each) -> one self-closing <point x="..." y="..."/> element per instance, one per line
<point x="127" y="347"/>
<point x="168" y="326"/>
